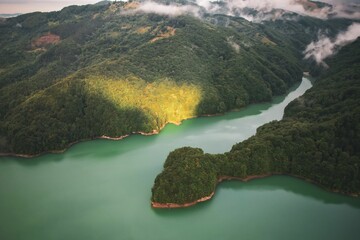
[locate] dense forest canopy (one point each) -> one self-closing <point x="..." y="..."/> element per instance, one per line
<point x="107" y="69"/>
<point x="318" y="140"/>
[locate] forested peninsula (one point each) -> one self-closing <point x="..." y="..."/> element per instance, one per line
<point x="107" y="70"/>
<point x="318" y="140"/>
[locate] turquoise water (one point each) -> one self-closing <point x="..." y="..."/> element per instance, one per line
<point x="101" y="190"/>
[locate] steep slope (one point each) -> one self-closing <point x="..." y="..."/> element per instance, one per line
<point x="108" y="69"/>
<point x="93" y="70"/>
<point x="318" y="140"/>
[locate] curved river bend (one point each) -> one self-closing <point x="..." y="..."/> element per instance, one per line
<point x="101" y="190"/>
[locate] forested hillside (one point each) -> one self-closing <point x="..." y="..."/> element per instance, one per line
<point x="318" y="140"/>
<point x="103" y="69"/>
<point x="89" y="71"/>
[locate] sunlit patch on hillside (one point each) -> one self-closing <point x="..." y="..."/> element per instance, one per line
<point x="169" y="32"/>
<point x="163" y="100"/>
<point x="131" y="5"/>
<point x="143" y="30"/>
<point x="267" y="41"/>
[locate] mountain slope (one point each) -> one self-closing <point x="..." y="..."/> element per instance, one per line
<point x="105" y="69"/>
<point x="318" y="140"/>
<point x="90" y="71"/>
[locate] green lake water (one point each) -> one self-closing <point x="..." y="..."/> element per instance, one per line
<point x="101" y="190"/>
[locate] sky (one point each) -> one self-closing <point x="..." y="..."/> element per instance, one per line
<point x="26" y="6"/>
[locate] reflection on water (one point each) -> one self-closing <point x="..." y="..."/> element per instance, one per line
<point x="293" y="185"/>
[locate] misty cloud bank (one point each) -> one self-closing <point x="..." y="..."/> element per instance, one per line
<point x="326" y="47"/>
<point x="265" y="10"/>
<point x="275" y="9"/>
<point x="167" y="10"/>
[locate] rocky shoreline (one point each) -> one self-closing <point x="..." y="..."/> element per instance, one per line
<point x="206" y="198"/>
<point x="176" y="205"/>
<point x="246" y="179"/>
<point x="153" y="132"/>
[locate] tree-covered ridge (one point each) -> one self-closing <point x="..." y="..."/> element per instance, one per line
<point x="318" y="140"/>
<point x="96" y="107"/>
<point x="196" y="172"/>
<point x="84" y="72"/>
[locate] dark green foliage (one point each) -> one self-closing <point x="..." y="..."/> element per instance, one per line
<point x="188" y="176"/>
<point x="318" y="139"/>
<point x="45" y="103"/>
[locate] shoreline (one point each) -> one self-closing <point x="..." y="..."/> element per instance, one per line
<point x="153" y="132"/>
<point x="206" y="198"/>
<point x="176" y="205"/>
<point x="246" y="179"/>
<point x="62" y="150"/>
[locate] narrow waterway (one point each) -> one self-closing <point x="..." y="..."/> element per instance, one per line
<point x="101" y="190"/>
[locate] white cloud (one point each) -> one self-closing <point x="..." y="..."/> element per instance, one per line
<point x="169" y="10"/>
<point x="269" y="9"/>
<point x="326" y="47"/>
<point x="266" y="9"/>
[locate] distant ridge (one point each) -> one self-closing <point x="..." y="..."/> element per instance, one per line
<point x="9" y="15"/>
